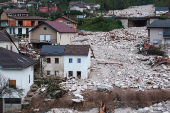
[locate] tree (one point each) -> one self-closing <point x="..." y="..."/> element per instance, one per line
<point x="5" y="90"/>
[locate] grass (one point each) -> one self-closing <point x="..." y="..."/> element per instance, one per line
<point x="99" y="24"/>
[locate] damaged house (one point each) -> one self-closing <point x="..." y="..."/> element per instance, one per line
<point x="51" y="32"/>
<point x="159" y="32"/>
<point x="66" y="61"/>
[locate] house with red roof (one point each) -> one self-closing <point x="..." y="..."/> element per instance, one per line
<point x="51" y="33"/>
<point x="47" y="9"/>
<point x="67" y="21"/>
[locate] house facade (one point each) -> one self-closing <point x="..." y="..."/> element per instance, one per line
<point x="159" y="32"/>
<point x="17" y="22"/>
<point x="32" y="3"/>
<point x="78" y="7"/>
<point x="67" y="21"/>
<point x="161" y="10"/>
<point x="52" y="60"/>
<point x="20" y="72"/>
<point x="51" y="32"/>
<point x="5" y="41"/>
<point x="66" y="61"/>
<point x="77" y="61"/>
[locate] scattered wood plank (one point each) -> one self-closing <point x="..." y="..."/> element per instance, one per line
<point x="111" y="63"/>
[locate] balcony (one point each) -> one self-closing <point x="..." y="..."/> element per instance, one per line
<point x="43" y="41"/>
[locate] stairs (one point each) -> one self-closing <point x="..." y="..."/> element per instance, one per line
<point x="27" y="99"/>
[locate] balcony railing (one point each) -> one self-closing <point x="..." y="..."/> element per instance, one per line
<point x="43" y="41"/>
<point x="69" y="25"/>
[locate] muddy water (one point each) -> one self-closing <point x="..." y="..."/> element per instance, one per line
<point x="122" y="98"/>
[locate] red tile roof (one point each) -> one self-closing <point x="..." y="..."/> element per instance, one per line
<point x="45" y="9"/>
<point x="67" y="19"/>
<point x="61" y="27"/>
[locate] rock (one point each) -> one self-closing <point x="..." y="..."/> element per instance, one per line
<point x="155" y="87"/>
<point x="77" y="100"/>
<point x="73" y="88"/>
<point x="104" y="87"/>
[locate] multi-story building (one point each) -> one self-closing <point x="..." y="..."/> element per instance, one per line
<point x="18" y="23"/>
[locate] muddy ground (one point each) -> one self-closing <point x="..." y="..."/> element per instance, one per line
<point x="117" y="98"/>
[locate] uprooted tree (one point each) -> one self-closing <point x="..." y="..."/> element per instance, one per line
<point x="6" y="90"/>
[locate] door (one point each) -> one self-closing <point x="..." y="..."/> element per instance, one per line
<point x="1" y="105"/>
<point x="41" y="38"/>
<point x="48" y="38"/>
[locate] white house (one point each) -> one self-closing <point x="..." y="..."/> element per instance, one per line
<point x="5" y="41"/>
<point x="66" y="60"/>
<point x="32" y="3"/>
<point x="20" y="72"/>
<point x="161" y="10"/>
<point x="77" y="61"/>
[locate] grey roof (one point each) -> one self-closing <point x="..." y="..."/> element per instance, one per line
<point x="5" y="37"/>
<point x="52" y="50"/>
<point x="12" y="60"/>
<point x="162" y="8"/>
<point x="32" y="2"/>
<point x="159" y="24"/>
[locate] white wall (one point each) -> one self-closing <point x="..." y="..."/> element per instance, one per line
<point x="84" y="66"/>
<point x="16" y="29"/>
<point x="9" y="44"/>
<point x="21" y="77"/>
<point x="161" y="12"/>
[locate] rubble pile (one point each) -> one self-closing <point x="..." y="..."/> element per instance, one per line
<point x="27" y="49"/>
<point x="117" y="63"/>
<point x="135" y="11"/>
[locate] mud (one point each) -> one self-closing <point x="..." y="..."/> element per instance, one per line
<point x="118" y="98"/>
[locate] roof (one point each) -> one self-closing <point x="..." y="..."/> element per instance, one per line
<point x="52" y="50"/>
<point x="58" y="26"/>
<point x="67" y="19"/>
<point x="32" y="2"/>
<point x="27" y="18"/>
<point x="16" y="11"/>
<point x="47" y="9"/>
<point x="161" y="8"/>
<point x="5" y="38"/>
<point x="160" y="24"/>
<point x="79" y="2"/>
<point x="80" y="50"/>
<point x="12" y="60"/>
<point x="81" y="5"/>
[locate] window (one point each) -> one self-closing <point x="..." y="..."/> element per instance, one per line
<point x="10" y="31"/>
<point x="12" y="83"/>
<point x="41" y="38"/>
<point x="168" y="41"/>
<point x="57" y="60"/>
<point x="19" y="30"/>
<point x="70" y="73"/>
<point x="6" y="46"/>
<point x="48" y="73"/>
<point x="13" y="30"/>
<point x="79" y="74"/>
<point x="45" y="28"/>
<point x="27" y="29"/>
<point x="79" y="60"/>
<point x="70" y="60"/>
<point x="29" y="78"/>
<point x="48" y="38"/>
<point x="159" y="32"/>
<point x="12" y="100"/>
<point x="48" y="60"/>
<point x="11" y="48"/>
<point x="155" y="41"/>
<point x="56" y="73"/>
<point x="68" y="22"/>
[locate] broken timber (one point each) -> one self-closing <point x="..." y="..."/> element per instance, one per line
<point x="92" y="53"/>
<point x="111" y="63"/>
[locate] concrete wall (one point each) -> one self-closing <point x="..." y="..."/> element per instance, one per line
<point x="52" y="67"/>
<point x="124" y="22"/>
<point x="9" y="45"/>
<point x="74" y="66"/>
<point x="155" y="36"/>
<point x="22" y="79"/>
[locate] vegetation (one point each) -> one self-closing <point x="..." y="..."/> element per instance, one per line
<point x="99" y="24"/>
<point x="155" y="51"/>
<point x="53" y="88"/>
<point x="162" y="3"/>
